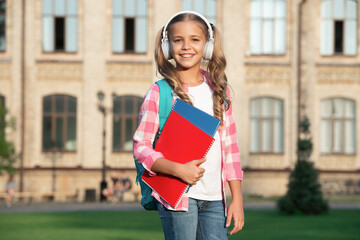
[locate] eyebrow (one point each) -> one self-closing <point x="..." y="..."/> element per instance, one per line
<point x="180" y="36"/>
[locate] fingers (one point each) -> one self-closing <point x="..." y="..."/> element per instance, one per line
<point x="199" y="161"/>
<point x="238" y="225"/>
<point x="193" y="173"/>
<point x="198" y="178"/>
<point x="228" y="220"/>
<point x="201" y="172"/>
<point x="238" y="222"/>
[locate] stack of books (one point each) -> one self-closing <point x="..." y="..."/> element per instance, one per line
<point x="187" y="135"/>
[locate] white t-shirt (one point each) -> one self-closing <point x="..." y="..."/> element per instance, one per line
<point x="209" y="186"/>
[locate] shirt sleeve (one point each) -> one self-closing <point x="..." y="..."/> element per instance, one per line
<point x="147" y="129"/>
<point x="232" y="152"/>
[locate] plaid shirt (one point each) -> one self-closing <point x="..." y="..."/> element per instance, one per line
<point x="147" y="131"/>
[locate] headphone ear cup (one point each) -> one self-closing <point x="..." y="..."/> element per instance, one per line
<point x="165" y="47"/>
<point x="208" y="50"/>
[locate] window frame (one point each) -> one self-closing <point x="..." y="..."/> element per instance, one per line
<point x="261" y="118"/>
<point x="124" y="16"/>
<point x="65" y="16"/>
<point x="134" y="116"/>
<point x="333" y="20"/>
<point x="54" y="116"/>
<point x="273" y="20"/>
<point x="332" y="120"/>
<point x="4" y="15"/>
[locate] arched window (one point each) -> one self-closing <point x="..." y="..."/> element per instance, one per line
<point x="207" y="8"/>
<point x="266" y="125"/>
<point x="130" y="26"/>
<point x="59" y="123"/>
<point x="338" y="130"/>
<point x="268" y="27"/>
<point x="125" y="120"/>
<point x="339" y="27"/>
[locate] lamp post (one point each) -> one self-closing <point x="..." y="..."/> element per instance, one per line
<point x="54" y="157"/>
<point x="53" y="154"/>
<point x="104" y="111"/>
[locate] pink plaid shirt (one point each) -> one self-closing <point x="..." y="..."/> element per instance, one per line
<point x="147" y="130"/>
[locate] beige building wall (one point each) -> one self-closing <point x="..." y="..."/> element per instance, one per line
<point x="94" y="67"/>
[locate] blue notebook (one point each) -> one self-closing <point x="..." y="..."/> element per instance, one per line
<point x="199" y="118"/>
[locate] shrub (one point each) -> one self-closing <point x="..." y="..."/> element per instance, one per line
<point x="304" y="191"/>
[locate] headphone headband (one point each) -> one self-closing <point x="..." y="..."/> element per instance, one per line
<point x="164" y="32"/>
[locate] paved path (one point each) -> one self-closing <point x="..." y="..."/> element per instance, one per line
<point x="70" y="207"/>
<point x="73" y="207"/>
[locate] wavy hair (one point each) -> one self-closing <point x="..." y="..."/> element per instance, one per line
<point x="215" y="66"/>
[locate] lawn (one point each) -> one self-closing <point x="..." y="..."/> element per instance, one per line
<point x="259" y="224"/>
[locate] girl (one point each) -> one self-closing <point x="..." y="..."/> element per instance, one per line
<point x="187" y="38"/>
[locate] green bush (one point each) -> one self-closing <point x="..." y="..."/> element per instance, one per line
<point x="285" y="205"/>
<point x="304" y="191"/>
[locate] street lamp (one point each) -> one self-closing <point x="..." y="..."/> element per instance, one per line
<point x="104" y="111"/>
<point x="54" y="154"/>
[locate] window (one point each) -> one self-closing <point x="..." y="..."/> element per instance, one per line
<point x="59" y="25"/>
<point x="125" y="121"/>
<point x="59" y="123"/>
<point x="339" y="27"/>
<point x="266" y="125"/>
<point x="130" y="26"/>
<point x="207" y="8"/>
<point x="2" y="114"/>
<point x="338" y="130"/>
<point x="2" y="25"/>
<point x="267" y="27"/>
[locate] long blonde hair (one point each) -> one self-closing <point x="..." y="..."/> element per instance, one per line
<point x="216" y="67"/>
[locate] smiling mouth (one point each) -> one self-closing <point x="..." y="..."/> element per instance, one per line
<point x="186" y="55"/>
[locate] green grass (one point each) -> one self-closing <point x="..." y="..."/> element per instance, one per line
<point x="346" y="198"/>
<point x="331" y="199"/>
<point x="259" y="224"/>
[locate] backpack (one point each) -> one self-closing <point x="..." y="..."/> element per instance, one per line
<point x="165" y="106"/>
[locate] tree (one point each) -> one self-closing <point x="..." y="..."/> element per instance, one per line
<point x="304" y="190"/>
<point x="8" y="155"/>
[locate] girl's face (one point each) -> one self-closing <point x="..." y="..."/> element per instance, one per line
<point x="187" y="41"/>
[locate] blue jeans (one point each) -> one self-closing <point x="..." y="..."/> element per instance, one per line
<point x="205" y="220"/>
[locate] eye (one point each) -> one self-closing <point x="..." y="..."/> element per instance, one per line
<point x="177" y="40"/>
<point x="195" y="40"/>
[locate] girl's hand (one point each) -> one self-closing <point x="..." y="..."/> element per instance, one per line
<point x="190" y="172"/>
<point x="235" y="212"/>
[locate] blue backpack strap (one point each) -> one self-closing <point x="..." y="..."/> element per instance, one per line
<point x="165" y="102"/>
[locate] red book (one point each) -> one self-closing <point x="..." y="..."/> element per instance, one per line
<point x="180" y="141"/>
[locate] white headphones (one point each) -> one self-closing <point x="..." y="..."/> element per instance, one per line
<point x="208" y="48"/>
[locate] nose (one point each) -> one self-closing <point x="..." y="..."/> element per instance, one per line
<point x="186" y="45"/>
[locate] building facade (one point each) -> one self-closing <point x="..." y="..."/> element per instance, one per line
<point x="286" y="59"/>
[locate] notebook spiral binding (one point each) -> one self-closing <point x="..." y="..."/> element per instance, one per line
<point x="174" y="104"/>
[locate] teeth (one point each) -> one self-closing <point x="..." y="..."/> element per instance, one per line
<point x="186" y="55"/>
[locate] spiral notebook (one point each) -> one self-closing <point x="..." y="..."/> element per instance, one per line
<point x="181" y="141"/>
